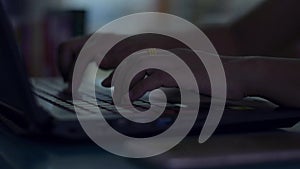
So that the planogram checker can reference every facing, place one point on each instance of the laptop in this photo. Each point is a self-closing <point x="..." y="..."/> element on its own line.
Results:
<point x="39" y="107"/>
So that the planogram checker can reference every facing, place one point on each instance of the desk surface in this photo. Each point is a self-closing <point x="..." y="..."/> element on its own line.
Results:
<point x="24" y="153"/>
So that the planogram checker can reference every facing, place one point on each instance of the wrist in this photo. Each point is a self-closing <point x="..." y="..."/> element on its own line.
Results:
<point x="252" y="75"/>
<point x="241" y="76"/>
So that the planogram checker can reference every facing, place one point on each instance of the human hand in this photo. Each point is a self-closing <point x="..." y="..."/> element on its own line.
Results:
<point x="69" y="51"/>
<point x="151" y="79"/>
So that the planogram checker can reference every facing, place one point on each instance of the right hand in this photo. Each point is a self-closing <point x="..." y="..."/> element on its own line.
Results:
<point x="69" y="51"/>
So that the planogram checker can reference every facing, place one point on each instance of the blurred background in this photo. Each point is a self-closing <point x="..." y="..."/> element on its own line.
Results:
<point x="236" y="27"/>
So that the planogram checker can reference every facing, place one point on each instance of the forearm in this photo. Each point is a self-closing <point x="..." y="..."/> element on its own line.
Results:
<point x="275" y="79"/>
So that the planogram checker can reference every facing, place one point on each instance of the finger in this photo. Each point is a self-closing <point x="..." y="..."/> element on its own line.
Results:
<point x="113" y="58"/>
<point x="109" y="62"/>
<point x="107" y="81"/>
<point x="125" y="75"/>
<point x="67" y="55"/>
<point x="65" y="60"/>
<point x="78" y="72"/>
<point x="81" y="64"/>
<point x="140" y="76"/>
<point x="115" y="55"/>
<point x="120" y="51"/>
<point x="142" y="87"/>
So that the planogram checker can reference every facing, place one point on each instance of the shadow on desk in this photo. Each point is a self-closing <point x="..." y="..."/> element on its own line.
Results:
<point x="24" y="153"/>
<point x="273" y="149"/>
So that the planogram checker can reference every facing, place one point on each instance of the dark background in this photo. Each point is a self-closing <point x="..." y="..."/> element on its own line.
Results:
<point x="236" y="27"/>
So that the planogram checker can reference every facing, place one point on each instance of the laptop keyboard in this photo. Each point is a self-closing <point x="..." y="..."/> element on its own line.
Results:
<point x="51" y="91"/>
